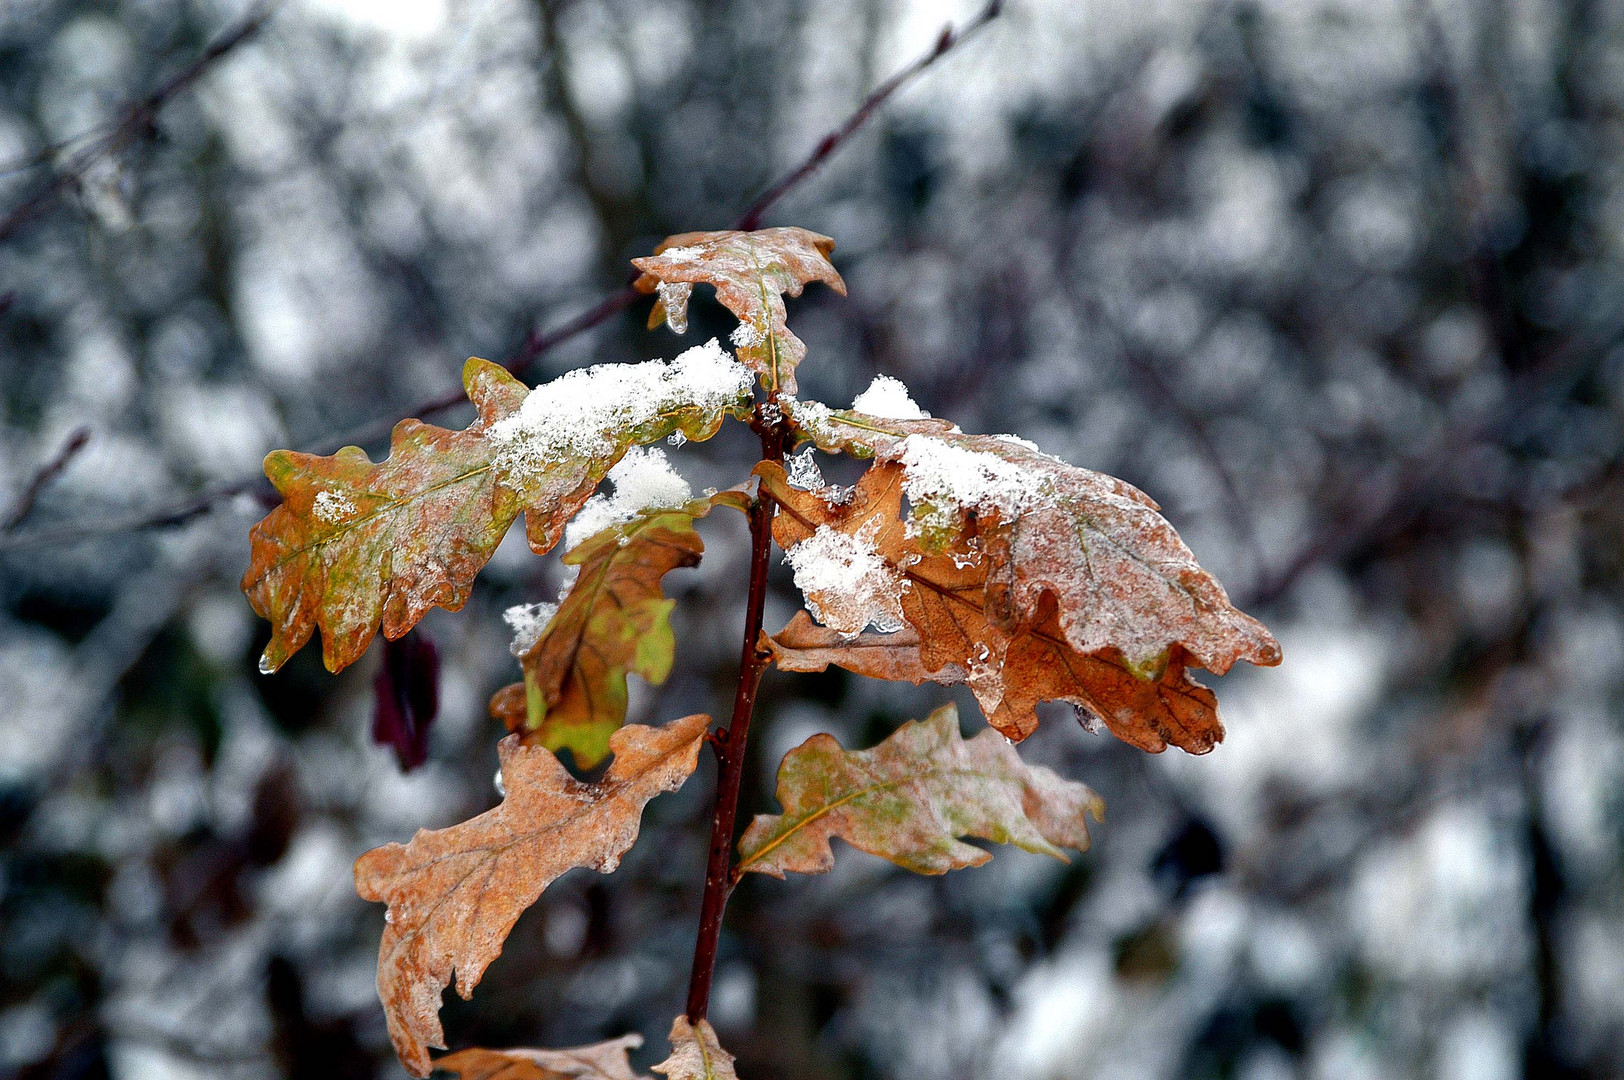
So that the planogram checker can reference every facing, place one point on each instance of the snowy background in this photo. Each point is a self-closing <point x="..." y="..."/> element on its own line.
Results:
<point x="1338" y="282"/>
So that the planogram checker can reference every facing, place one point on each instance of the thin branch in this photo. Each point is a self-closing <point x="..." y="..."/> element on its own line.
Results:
<point x="729" y="745"/>
<point x="135" y="123"/>
<point x="537" y="342"/>
<point x="47" y="472"/>
<point x="831" y="142"/>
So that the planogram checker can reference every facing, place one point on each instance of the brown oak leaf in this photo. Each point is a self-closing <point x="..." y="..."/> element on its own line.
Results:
<point x="804" y="645"/>
<point x="1012" y="647"/>
<point x="599" y="1061"/>
<point x="455" y="893"/>
<point x="696" y="1054"/>
<point x="1123" y="578"/>
<point x="614" y="619"/>
<point x="910" y="798"/>
<point x="357" y="545"/>
<point x="752" y="272"/>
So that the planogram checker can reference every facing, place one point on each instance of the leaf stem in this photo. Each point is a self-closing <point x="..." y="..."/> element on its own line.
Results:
<point x="729" y="745"/>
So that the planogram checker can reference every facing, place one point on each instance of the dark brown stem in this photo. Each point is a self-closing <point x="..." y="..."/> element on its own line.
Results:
<point x="730" y="745"/>
<point x="42" y="478"/>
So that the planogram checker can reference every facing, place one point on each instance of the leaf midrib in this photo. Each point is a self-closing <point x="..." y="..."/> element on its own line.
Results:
<point x="829" y="808"/>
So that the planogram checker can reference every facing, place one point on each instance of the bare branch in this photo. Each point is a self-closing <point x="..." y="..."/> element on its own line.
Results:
<point x="134" y="124"/>
<point x="831" y="142"/>
<point x="47" y="472"/>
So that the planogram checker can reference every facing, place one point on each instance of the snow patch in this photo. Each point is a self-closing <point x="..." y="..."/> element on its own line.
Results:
<point x="585" y="413"/>
<point x="643" y="480"/>
<point x="853" y="585"/>
<point x="888" y="398"/>
<point x="941" y="479"/>
<point x="332" y="506"/>
<point x="527" y="621"/>
<point x="683" y="254"/>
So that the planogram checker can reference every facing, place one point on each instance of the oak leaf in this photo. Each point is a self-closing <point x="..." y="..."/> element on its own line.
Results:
<point x="752" y="272"/>
<point x="357" y="545"/>
<point x="696" y="1054"/>
<point x="1123" y="577"/>
<point x="909" y="800"/>
<point x="613" y="620"/>
<point x="803" y="645"/>
<point x="1013" y="648"/>
<point x="455" y="893"/>
<point x="599" y="1061"/>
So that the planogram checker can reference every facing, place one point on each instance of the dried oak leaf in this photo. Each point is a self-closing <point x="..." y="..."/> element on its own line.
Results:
<point x="454" y="893"/>
<point x="804" y="645"/>
<point x="1123" y="578"/>
<point x="600" y="1061"/>
<point x="357" y="545"/>
<point x="752" y="272"/>
<point x="910" y="798"/>
<point x="613" y="620"/>
<point x="696" y="1054"/>
<point x="1012" y="647"/>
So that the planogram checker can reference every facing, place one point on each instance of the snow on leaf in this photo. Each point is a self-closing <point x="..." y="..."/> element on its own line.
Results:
<point x="1123" y="578"/>
<point x="356" y="546"/>
<point x="455" y="893"/>
<point x="643" y="480"/>
<point x="847" y="583"/>
<point x="1014" y="647"/>
<point x="696" y="1054"/>
<point x="909" y="800"/>
<point x="613" y="620"/>
<point x="599" y="1061"/>
<point x="752" y="272"/>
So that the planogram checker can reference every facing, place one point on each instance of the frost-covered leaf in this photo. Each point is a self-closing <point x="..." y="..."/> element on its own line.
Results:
<point x="696" y="1054"/>
<point x="752" y="272"/>
<point x="909" y="800"/>
<point x="1016" y="628"/>
<point x="454" y="893"/>
<point x="613" y="619"/>
<point x="1123" y="577"/>
<point x="600" y="1061"/>
<point x="357" y="545"/>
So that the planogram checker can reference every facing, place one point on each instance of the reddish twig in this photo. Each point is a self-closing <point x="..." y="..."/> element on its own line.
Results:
<point x="729" y="746"/>
<point x="47" y="472"/>
<point x="136" y="122"/>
